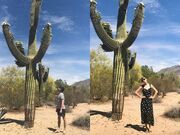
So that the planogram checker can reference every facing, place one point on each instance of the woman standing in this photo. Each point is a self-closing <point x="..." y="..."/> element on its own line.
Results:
<point x="145" y="93"/>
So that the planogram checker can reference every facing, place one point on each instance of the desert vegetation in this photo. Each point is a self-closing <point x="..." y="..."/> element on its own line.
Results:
<point x="82" y="122"/>
<point x="12" y="90"/>
<point x="101" y="78"/>
<point x="173" y="112"/>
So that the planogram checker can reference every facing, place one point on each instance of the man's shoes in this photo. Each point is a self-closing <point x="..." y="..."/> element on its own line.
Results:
<point x="57" y="130"/>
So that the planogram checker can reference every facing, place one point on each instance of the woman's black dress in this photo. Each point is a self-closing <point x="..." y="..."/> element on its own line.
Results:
<point x="147" y="108"/>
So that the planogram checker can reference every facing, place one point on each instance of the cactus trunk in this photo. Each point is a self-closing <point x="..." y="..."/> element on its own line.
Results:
<point x="118" y="85"/>
<point x="30" y="88"/>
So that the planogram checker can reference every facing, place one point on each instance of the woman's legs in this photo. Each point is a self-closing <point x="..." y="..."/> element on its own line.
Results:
<point x="149" y="127"/>
<point x="146" y="127"/>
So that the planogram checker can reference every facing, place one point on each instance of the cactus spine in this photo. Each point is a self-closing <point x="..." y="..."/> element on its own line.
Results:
<point x="123" y="61"/>
<point x="30" y="61"/>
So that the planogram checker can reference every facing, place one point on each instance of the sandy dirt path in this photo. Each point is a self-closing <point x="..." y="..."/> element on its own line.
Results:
<point x="45" y="122"/>
<point x="101" y="124"/>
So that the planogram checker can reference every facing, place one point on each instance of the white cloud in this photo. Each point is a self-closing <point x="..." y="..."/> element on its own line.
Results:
<point x="152" y="6"/>
<point x="94" y="41"/>
<point x="67" y="62"/>
<point x="156" y="62"/>
<point x="65" y="69"/>
<point x="70" y="78"/>
<point x="65" y="23"/>
<point x="156" y="46"/>
<point x="69" y="69"/>
<point x="150" y="3"/>
<point x="63" y="48"/>
<point x="165" y="28"/>
<point x="157" y="54"/>
<point x="4" y="15"/>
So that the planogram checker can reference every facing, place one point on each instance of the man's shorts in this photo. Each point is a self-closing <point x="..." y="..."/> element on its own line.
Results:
<point x="62" y="114"/>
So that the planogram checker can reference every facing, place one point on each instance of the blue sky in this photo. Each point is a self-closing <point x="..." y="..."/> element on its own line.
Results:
<point x="158" y="43"/>
<point x="68" y="54"/>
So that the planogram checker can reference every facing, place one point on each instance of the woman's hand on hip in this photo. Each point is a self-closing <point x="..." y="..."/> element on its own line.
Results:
<point x="143" y="97"/>
<point x="151" y="97"/>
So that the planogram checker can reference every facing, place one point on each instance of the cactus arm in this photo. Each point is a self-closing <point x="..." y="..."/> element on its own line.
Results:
<point x="46" y="74"/>
<point x="137" y="22"/>
<point x="35" y="8"/>
<point x="45" y="41"/>
<point x="105" y="48"/>
<point x="123" y="4"/>
<point x="132" y="61"/>
<point x="121" y="33"/>
<point x="12" y="47"/>
<point x="34" y="18"/>
<point x="98" y="26"/>
<point x="108" y="29"/>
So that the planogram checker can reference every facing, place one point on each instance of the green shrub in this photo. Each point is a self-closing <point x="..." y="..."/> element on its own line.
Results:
<point x="82" y="122"/>
<point x="174" y="112"/>
<point x="12" y="87"/>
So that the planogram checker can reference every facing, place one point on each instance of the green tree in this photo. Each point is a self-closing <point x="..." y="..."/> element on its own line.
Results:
<point x="147" y="71"/>
<point x="135" y="75"/>
<point x="50" y="89"/>
<point x="60" y="83"/>
<point x="100" y="74"/>
<point x="12" y="87"/>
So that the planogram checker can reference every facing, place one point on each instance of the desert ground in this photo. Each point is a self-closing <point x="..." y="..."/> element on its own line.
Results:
<point x="101" y="124"/>
<point x="45" y="122"/>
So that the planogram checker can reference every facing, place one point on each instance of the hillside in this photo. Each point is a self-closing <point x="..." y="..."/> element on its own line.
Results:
<point x="174" y="69"/>
<point x="84" y="83"/>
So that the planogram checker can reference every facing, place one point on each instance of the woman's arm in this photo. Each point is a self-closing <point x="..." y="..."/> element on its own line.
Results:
<point x="138" y="91"/>
<point x="156" y="91"/>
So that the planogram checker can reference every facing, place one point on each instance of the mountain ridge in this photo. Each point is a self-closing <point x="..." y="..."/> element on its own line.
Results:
<point x="83" y="83"/>
<point x="173" y="69"/>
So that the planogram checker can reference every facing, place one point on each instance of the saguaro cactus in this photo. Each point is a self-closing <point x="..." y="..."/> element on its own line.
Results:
<point x="42" y="76"/>
<point x="33" y="57"/>
<point x="119" y="44"/>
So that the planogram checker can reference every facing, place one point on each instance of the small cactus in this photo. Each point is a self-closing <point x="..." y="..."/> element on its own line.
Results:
<point x="123" y="61"/>
<point x="30" y="61"/>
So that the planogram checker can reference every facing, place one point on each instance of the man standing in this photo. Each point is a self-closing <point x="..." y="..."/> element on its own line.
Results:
<point x="60" y="108"/>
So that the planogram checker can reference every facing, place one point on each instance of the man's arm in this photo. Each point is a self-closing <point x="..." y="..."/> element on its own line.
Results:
<point x="61" y="101"/>
<point x="60" y="105"/>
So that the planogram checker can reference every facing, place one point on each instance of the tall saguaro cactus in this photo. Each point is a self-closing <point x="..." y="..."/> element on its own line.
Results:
<point x="123" y="61"/>
<point x="30" y="61"/>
